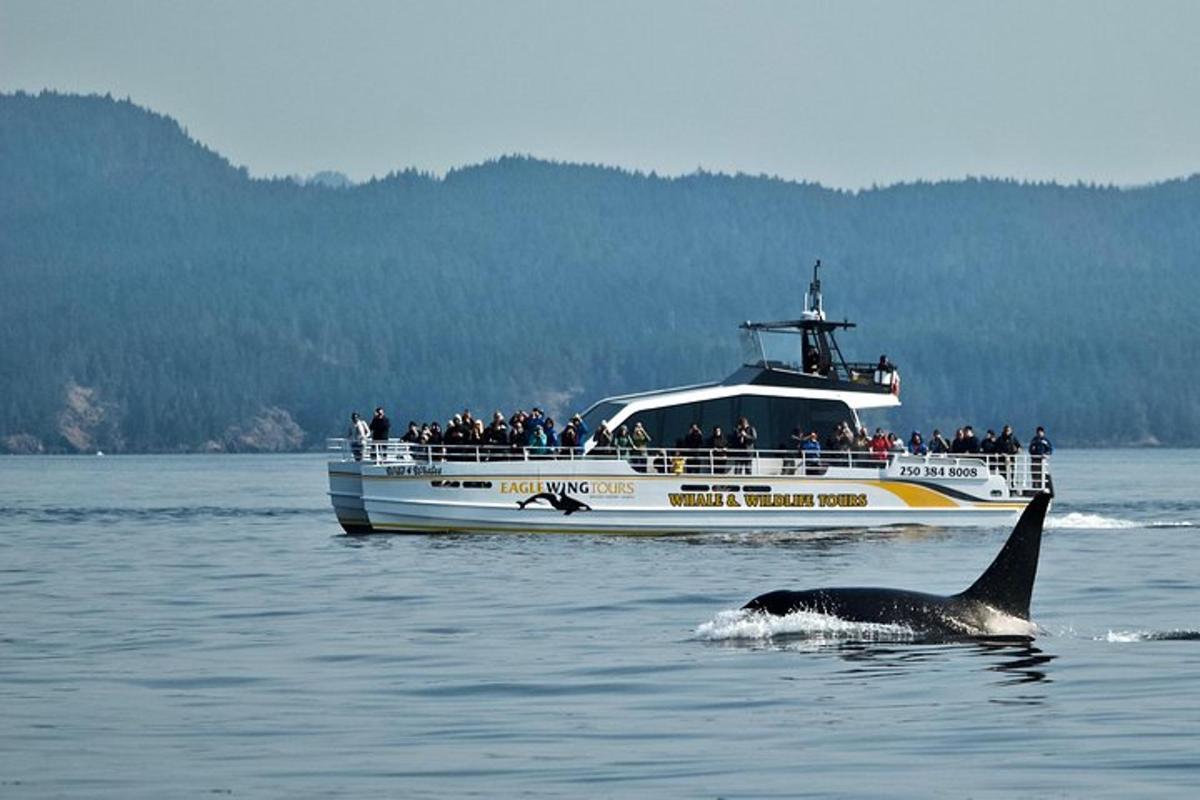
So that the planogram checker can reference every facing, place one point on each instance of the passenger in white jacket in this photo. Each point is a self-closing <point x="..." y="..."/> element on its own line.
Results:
<point x="357" y="434"/>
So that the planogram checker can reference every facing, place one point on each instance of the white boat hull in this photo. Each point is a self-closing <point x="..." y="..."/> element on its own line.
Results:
<point x="610" y="496"/>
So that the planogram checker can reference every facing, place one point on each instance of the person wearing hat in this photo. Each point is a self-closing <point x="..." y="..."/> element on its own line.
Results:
<point x="454" y="438"/>
<point x="581" y="428"/>
<point x="640" y="439"/>
<point x="537" y="441"/>
<point x="518" y="438"/>
<point x="569" y="439"/>
<point x="495" y="436"/>
<point x="475" y="435"/>
<point x="879" y="445"/>
<point x="603" y="446"/>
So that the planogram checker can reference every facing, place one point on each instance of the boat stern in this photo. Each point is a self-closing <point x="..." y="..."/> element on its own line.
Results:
<point x="346" y="494"/>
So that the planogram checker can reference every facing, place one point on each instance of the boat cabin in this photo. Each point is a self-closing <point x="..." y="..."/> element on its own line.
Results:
<point x="793" y="375"/>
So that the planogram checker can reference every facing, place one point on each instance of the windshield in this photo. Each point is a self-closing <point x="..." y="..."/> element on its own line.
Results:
<point x="779" y="349"/>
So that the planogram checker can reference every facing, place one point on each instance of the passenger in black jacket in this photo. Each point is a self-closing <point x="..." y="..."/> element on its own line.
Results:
<point x="694" y="440"/>
<point x="745" y="438"/>
<point x="1007" y="446"/>
<point x="970" y="442"/>
<point x="495" y="436"/>
<point x="381" y="426"/>
<point x="720" y="447"/>
<point x="569" y="439"/>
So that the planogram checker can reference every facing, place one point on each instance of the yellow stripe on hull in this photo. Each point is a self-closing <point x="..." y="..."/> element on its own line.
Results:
<point x="915" y="496"/>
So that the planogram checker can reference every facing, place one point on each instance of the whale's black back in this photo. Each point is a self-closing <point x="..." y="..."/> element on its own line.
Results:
<point x="1006" y="586"/>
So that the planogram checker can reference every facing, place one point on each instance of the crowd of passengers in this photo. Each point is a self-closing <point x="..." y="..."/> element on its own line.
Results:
<point x="843" y="442"/>
<point x="536" y="434"/>
<point x="533" y="432"/>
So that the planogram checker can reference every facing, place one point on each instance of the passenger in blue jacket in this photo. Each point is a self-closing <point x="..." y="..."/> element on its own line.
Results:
<point x="1039" y="445"/>
<point x="1039" y="448"/>
<point x="811" y="449"/>
<point x="581" y="429"/>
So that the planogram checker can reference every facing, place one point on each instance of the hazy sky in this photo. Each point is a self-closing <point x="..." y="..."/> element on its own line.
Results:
<point x="845" y="93"/>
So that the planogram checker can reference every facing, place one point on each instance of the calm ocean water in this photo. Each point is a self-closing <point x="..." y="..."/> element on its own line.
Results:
<point x="197" y="625"/>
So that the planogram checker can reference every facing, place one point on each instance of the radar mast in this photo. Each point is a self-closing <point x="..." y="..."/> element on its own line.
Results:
<point x="813" y="310"/>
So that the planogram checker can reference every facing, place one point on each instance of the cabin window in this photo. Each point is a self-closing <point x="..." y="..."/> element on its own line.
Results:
<point x="773" y="417"/>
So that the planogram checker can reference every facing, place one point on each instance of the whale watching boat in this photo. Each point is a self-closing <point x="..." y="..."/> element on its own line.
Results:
<point x="793" y="376"/>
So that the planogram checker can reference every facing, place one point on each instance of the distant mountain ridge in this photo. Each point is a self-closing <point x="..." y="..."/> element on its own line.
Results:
<point x="161" y="299"/>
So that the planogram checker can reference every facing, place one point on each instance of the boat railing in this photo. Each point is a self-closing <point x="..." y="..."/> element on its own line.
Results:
<point x="1023" y="473"/>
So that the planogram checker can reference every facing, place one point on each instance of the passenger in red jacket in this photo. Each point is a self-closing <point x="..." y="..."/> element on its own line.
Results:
<point x="879" y="445"/>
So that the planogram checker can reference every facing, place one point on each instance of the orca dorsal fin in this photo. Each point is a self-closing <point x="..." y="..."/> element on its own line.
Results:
<point x="1007" y="584"/>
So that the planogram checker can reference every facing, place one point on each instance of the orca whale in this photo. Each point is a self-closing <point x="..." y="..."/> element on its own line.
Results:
<point x="561" y="502"/>
<point x="997" y="604"/>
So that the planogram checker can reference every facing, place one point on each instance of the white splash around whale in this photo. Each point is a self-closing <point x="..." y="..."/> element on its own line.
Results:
<point x="740" y="624"/>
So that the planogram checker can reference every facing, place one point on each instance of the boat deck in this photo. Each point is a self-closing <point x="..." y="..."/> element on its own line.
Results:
<point x="1024" y="475"/>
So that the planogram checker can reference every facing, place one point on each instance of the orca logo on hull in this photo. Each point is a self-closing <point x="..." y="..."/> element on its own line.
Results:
<point x="561" y="502"/>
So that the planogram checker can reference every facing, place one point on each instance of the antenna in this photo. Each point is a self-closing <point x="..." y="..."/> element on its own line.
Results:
<point x="812" y="300"/>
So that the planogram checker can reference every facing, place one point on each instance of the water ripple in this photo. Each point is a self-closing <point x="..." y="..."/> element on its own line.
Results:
<point x="110" y="515"/>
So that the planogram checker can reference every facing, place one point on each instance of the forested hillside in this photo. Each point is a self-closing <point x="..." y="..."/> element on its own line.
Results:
<point x="158" y="298"/>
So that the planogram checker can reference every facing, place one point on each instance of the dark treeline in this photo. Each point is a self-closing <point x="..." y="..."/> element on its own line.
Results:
<point x="158" y="298"/>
